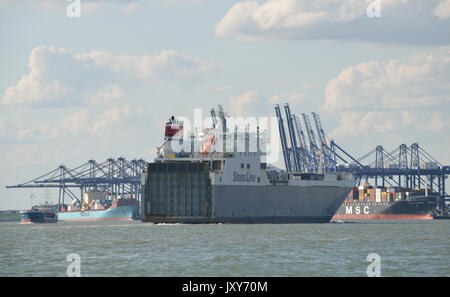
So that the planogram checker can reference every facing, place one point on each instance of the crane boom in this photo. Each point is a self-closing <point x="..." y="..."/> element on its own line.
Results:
<point x="284" y="146"/>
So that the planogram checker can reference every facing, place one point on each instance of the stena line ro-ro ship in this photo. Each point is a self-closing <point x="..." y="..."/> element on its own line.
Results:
<point x="233" y="186"/>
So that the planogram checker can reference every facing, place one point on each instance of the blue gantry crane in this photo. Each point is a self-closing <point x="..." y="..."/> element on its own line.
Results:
<point x="295" y="152"/>
<point x="284" y="145"/>
<point x="114" y="176"/>
<point x="406" y="166"/>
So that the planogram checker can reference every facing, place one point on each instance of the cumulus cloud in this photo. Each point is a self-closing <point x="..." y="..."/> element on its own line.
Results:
<point x="369" y="125"/>
<point x="242" y="105"/>
<point x="253" y="103"/>
<point x="402" y="102"/>
<point x="421" y="82"/>
<point x="294" y="98"/>
<point x="107" y="125"/>
<point x="437" y="122"/>
<point x="336" y="19"/>
<point x="98" y="124"/>
<point x="59" y="77"/>
<point x="443" y="9"/>
<point x="353" y="123"/>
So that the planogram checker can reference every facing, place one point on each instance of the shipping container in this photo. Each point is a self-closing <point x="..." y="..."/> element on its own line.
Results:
<point x="378" y="195"/>
<point x="361" y="192"/>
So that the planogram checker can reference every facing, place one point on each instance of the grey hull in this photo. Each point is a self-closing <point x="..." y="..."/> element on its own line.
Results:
<point x="238" y="220"/>
<point x="264" y="204"/>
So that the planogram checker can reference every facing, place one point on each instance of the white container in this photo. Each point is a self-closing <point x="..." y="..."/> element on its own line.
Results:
<point x="94" y="195"/>
<point x="378" y="195"/>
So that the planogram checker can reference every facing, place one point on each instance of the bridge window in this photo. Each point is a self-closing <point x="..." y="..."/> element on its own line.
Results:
<point x="217" y="165"/>
<point x="311" y="176"/>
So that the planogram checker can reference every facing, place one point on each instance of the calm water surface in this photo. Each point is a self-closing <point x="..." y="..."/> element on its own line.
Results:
<point x="406" y="248"/>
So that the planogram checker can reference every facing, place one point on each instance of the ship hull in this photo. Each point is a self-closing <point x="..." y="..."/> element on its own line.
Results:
<point x="36" y="217"/>
<point x="414" y="209"/>
<point x="121" y="213"/>
<point x="383" y="217"/>
<point x="238" y="220"/>
<point x="269" y="204"/>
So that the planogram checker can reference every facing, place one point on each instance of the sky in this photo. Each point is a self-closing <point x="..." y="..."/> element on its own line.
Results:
<point x="103" y="84"/>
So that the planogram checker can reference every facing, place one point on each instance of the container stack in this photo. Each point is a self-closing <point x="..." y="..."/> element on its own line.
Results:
<point x="369" y="194"/>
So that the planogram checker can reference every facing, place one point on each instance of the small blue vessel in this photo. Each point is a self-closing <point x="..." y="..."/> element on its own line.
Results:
<point x="40" y="214"/>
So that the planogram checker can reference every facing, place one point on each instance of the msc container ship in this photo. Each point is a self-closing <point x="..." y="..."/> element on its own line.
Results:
<point x="367" y="203"/>
<point x="233" y="187"/>
<point x="96" y="207"/>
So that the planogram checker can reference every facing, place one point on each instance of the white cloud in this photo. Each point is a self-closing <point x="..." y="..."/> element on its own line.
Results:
<point x="253" y="103"/>
<point x="104" y="125"/>
<point x="130" y="7"/>
<point x="335" y="19"/>
<point x="4" y="123"/>
<point x="392" y="103"/>
<point x="373" y="124"/>
<point x="60" y="77"/>
<point x="438" y="122"/>
<point x="249" y="16"/>
<point x="421" y="82"/>
<point x="443" y="9"/>
<point x="293" y="99"/>
<point x="28" y="154"/>
<point x="242" y="105"/>
<point x="87" y="125"/>
<point x="354" y="123"/>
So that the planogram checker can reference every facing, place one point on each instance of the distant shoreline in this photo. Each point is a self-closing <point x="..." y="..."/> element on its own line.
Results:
<point x="9" y="215"/>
